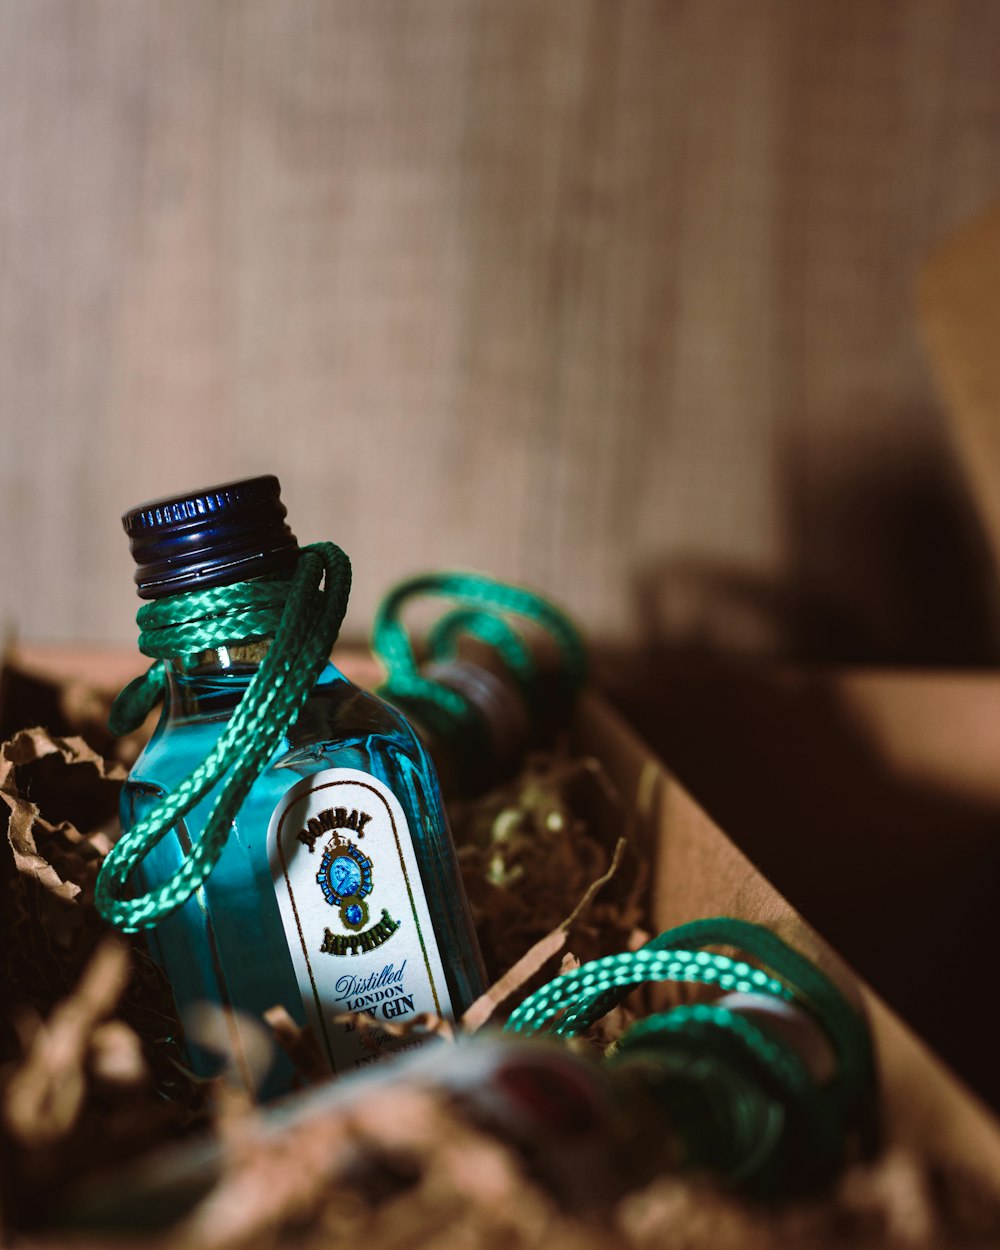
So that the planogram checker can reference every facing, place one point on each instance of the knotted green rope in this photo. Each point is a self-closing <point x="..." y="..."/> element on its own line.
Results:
<point x="304" y="616"/>
<point x="572" y="1002"/>
<point x="483" y="616"/>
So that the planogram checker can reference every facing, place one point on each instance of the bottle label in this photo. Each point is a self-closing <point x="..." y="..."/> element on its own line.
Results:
<point x="355" y="914"/>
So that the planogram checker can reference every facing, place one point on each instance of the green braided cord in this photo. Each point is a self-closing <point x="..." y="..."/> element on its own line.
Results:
<point x="186" y="624"/>
<point x="699" y="1021"/>
<point x="221" y="615"/>
<point x="581" y="997"/>
<point x="540" y="1011"/>
<point x="847" y="1031"/>
<point x="134" y="703"/>
<point x="442" y="641"/>
<point x="449" y="711"/>
<point x="305" y="621"/>
<point x="809" y="1144"/>
<point x="722" y="1038"/>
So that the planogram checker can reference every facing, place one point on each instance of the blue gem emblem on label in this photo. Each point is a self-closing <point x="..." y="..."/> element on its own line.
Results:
<point x="345" y="872"/>
<point x="345" y="875"/>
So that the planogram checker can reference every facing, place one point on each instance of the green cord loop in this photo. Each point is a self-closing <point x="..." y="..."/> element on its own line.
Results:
<point x="442" y="641"/>
<point x="304" y="615"/>
<point x="445" y="710"/>
<point x="134" y="703"/>
<point x="575" y="1000"/>
<point x="699" y="1021"/>
<point x="555" y="1008"/>
<point x="806" y="983"/>
<point x="775" y="1127"/>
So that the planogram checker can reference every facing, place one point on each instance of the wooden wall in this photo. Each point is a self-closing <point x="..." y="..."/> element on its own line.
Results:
<point x="609" y="296"/>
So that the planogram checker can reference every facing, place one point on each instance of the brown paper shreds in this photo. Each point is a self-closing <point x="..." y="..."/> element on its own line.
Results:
<point x="548" y="864"/>
<point x="45" y="1094"/>
<point x="514" y="979"/>
<point x="514" y="983"/>
<point x="399" y="1169"/>
<point x="88" y="1031"/>
<point x="67" y="702"/>
<point x="895" y="1201"/>
<point x="299" y="1044"/>
<point x="533" y="861"/>
<point x="47" y="865"/>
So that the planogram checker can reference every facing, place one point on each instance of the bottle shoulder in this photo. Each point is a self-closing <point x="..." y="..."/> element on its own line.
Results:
<point x="337" y="709"/>
<point x="337" y="716"/>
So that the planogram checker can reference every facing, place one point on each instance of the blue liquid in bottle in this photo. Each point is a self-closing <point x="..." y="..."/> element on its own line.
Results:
<point x="349" y="800"/>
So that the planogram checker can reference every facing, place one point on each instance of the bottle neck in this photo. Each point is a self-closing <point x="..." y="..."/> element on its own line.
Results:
<point x="212" y="680"/>
<point x="231" y="659"/>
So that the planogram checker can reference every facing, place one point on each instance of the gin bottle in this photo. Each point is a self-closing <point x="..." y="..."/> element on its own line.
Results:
<point x="337" y="888"/>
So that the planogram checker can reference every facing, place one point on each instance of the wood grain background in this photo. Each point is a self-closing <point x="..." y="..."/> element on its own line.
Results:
<point x="613" y="297"/>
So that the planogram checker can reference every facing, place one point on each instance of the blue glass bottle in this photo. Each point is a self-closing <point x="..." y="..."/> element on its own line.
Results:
<point x="338" y="889"/>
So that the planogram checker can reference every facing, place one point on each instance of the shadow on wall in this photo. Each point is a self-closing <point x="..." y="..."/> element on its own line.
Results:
<point x="887" y="561"/>
<point x="889" y="533"/>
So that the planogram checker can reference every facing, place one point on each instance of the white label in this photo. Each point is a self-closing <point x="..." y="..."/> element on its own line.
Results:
<point x="355" y="915"/>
